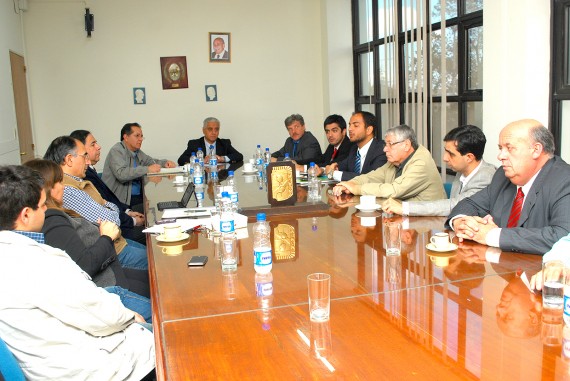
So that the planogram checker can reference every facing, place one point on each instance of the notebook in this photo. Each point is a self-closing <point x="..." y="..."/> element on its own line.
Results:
<point x="178" y="204"/>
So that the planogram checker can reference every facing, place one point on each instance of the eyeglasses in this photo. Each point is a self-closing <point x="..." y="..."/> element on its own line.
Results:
<point x="392" y="144"/>
<point x="85" y="155"/>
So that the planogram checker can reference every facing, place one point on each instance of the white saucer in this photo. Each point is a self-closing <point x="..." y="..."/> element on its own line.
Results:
<point x="451" y="247"/>
<point x="181" y="237"/>
<point x="367" y="208"/>
<point x="175" y="183"/>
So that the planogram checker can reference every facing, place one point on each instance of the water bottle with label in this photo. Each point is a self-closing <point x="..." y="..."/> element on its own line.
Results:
<point x="266" y="158"/>
<point x="198" y="175"/>
<point x="314" y="183"/>
<point x="199" y="190"/>
<point x="262" y="260"/>
<point x="258" y="155"/>
<point x="264" y="292"/>
<point x="232" y="190"/>
<point x="213" y="164"/>
<point x="227" y="216"/>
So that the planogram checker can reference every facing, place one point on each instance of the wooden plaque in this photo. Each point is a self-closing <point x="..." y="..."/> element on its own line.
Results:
<point x="285" y="240"/>
<point x="281" y="183"/>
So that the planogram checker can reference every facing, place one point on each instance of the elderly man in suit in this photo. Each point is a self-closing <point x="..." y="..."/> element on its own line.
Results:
<point x="301" y="145"/>
<point x="211" y="145"/>
<point x="410" y="173"/>
<point x="526" y="208"/>
<point x="463" y="153"/>
<point x="366" y="154"/>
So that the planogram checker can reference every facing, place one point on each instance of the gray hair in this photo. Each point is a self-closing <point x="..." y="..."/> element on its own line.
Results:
<point x="542" y="135"/>
<point x="294" y="118"/>
<point x="210" y="119"/>
<point x="403" y="132"/>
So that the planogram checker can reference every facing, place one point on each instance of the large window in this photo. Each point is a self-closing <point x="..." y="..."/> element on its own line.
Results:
<point x="420" y="62"/>
<point x="560" y="100"/>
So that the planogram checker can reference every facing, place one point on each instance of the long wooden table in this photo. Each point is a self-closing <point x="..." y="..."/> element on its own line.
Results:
<point x="418" y="316"/>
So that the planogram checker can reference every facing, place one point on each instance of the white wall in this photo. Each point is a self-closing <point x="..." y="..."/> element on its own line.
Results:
<point x="516" y="76"/>
<point x="10" y="40"/>
<point x="276" y="69"/>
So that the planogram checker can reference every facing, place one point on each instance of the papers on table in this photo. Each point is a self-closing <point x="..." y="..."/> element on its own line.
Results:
<point x="187" y="212"/>
<point x="185" y="225"/>
<point x="240" y="222"/>
<point x="167" y="171"/>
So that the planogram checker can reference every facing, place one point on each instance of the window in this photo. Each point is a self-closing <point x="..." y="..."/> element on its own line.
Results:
<point x="413" y="67"/>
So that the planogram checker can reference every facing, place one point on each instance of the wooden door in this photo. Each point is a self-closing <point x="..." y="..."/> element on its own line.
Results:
<point x="23" y="120"/>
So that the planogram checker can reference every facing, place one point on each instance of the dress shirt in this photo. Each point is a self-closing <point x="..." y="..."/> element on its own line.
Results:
<point x="210" y="152"/>
<point x="80" y="202"/>
<point x="36" y="236"/>
<point x="337" y="175"/>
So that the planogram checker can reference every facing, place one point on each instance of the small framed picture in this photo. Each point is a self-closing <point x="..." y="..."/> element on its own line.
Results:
<point x="211" y="93"/>
<point x="139" y="95"/>
<point x="174" y="72"/>
<point x="220" y="47"/>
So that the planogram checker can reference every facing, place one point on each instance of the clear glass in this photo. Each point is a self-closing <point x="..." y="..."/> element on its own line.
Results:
<point x="473" y="5"/>
<point x="452" y="121"/>
<point x="366" y="74"/>
<point x="319" y="285"/>
<point x="436" y="6"/>
<point x="475" y="58"/>
<point x="386" y="18"/>
<point x="365" y="20"/>
<point x="451" y="82"/>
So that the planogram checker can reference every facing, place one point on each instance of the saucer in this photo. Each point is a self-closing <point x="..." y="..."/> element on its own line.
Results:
<point x="176" y="183"/>
<point x="366" y="208"/>
<point x="249" y="172"/>
<point x="181" y="237"/>
<point x="451" y="247"/>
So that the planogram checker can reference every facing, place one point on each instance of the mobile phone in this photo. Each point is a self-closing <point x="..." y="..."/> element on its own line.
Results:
<point x="198" y="260"/>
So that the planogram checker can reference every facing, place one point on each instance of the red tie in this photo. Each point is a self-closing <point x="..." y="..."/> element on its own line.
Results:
<point x="334" y="154"/>
<point x="516" y="209"/>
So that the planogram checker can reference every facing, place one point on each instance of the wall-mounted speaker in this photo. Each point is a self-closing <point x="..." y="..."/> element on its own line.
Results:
<point x="89" y="22"/>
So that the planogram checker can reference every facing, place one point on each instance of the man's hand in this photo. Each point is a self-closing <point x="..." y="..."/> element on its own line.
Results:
<point x="474" y="228"/>
<point x="345" y="187"/>
<point x="320" y="170"/>
<point x="153" y="168"/>
<point x="139" y="217"/>
<point x="392" y="206"/>
<point x="109" y="229"/>
<point x="138" y="317"/>
<point x="536" y="281"/>
<point x="170" y="164"/>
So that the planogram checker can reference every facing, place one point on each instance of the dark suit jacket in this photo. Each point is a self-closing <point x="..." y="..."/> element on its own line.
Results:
<point x="545" y="217"/>
<point x="375" y="158"/>
<point x="108" y="195"/>
<point x="341" y="154"/>
<point x="225" y="56"/>
<point x="308" y="149"/>
<point x="223" y="148"/>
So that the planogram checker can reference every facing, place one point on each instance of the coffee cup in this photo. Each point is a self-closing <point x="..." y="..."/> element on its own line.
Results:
<point x="439" y="261"/>
<point x="440" y="240"/>
<point x="252" y="161"/>
<point x="172" y="250"/>
<point x="179" y="179"/>
<point x="368" y="201"/>
<point x="368" y="221"/>
<point x="248" y="167"/>
<point x="172" y="231"/>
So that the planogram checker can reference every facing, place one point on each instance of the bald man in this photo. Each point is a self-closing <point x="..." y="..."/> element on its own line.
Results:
<point x="526" y="208"/>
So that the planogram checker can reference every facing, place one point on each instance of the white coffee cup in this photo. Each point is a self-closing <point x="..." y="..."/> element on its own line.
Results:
<point x="172" y="250"/>
<point x="248" y="167"/>
<point x="172" y="231"/>
<point x="440" y="240"/>
<point x="179" y="179"/>
<point x="368" y="221"/>
<point x="252" y="161"/>
<point x="369" y="201"/>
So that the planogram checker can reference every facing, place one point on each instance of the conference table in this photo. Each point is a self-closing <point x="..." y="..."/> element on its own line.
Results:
<point x="464" y="314"/>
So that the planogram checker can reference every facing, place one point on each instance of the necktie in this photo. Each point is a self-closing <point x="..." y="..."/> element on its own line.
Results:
<point x="516" y="209"/>
<point x="217" y="56"/>
<point x="211" y="150"/>
<point x="294" y="148"/>
<point x="334" y="154"/>
<point x="357" y="163"/>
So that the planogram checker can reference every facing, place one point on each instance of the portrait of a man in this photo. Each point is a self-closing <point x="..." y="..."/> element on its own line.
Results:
<point x="220" y="47"/>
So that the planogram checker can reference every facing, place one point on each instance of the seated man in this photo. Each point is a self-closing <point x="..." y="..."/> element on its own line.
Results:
<point x="132" y="223"/>
<point x="301" y="145"/>
<point x="81" y="198"/>
<point x="56" y="322"/>
<point x="212" y="145"/>
<point x="126" y="164"/>
<point x="464" y="147"/>
<point x="339" y="145"/>
<point x="367" y="152"/>
<point x="410" y="173"/>
<point x="526" y="207"/>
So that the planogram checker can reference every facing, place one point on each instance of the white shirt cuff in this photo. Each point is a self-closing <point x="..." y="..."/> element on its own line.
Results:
<point x="337" y="175"/>
<point x="406" y="208"/>
<point x="493" y="237"/>
<point x="492" y="255"/>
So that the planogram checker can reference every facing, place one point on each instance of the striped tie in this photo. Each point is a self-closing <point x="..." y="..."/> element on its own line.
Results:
<point x="357" y="163"/>
<point x="516" y="209"/>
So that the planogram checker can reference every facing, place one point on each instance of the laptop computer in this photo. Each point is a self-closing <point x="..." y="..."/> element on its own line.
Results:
<point x="178" y="204"/>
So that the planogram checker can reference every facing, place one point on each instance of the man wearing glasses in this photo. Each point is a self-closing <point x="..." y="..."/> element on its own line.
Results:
<point x="409" y="174"/>
<point x="126" y="164"/>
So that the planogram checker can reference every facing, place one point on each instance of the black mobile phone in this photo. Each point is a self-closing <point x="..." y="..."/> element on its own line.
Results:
<point x="198" y="260"/>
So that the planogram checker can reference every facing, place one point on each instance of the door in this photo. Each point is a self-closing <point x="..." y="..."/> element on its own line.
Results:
<point x="23" y="120"/>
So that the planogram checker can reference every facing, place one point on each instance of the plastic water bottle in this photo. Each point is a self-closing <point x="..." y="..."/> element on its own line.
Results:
<point x="198" y="175"/>
<point x="314" y="183"/>
<point x="213" y="164"/>
<point x="258" y="155"/>
<point x="199" y="190"/>
<point x="264" y="292"/>
<point x="232" y="191"/>
<point x="200" y="156"/>
<point x="262" y="261"/>
<point x="227" y="216"/>
<point x="193" y="158"/>
<point x="287" y="157"/>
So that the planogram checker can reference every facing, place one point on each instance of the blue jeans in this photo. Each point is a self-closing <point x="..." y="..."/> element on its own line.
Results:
<point x="134" y="256"/>
<point x="133" y="302"/>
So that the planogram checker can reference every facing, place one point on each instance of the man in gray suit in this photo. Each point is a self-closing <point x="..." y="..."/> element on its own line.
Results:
<point x="526" y="208"/>
<point x="464" y="147"/>
<point x="301" y="145"/>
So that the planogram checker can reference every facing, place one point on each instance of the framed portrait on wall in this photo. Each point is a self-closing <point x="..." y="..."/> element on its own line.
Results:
<point x="220" y="47"/>
<point x="174" y="72"/>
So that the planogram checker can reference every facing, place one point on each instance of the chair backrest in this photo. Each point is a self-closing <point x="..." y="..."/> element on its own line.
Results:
<point x="447" y="187"/>
<point x="9" y="367"/>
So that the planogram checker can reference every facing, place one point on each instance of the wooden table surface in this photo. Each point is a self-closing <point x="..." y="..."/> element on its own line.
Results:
<point x="419" y="316"/>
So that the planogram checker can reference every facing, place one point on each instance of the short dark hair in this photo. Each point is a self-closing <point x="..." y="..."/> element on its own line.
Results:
<point x="128" y="129"/>
<point x="80" y="135"/>
<point x="469" y="139"/>
<point x="51" y="173"/>
<point x="369" y="119"/>
<point x="334" y="118"/>
<point x="20" y="187"/>
<point x="60" y="147"/>
<point x="294" y="118"/>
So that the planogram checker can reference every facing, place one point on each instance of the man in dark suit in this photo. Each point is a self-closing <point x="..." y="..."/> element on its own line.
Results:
<point x="367" y="152"/>
<point x="132" y="223"/>
<point x="526" y="208"/>
<point x="211" y="144"/>
<point x="301" y="145"/>
<point x="339" y="144"/>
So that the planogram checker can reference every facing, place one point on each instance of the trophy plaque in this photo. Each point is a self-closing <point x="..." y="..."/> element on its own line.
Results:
<point x="281" y="183"/>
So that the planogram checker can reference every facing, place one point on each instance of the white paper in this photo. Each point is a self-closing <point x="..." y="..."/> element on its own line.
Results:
<point x="187" y="212"/>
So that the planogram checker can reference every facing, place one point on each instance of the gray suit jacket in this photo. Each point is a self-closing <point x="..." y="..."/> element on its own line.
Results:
<point x="443" y="207"/>
<point x="308" y="149"/>
<point x="545" y="217"/>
